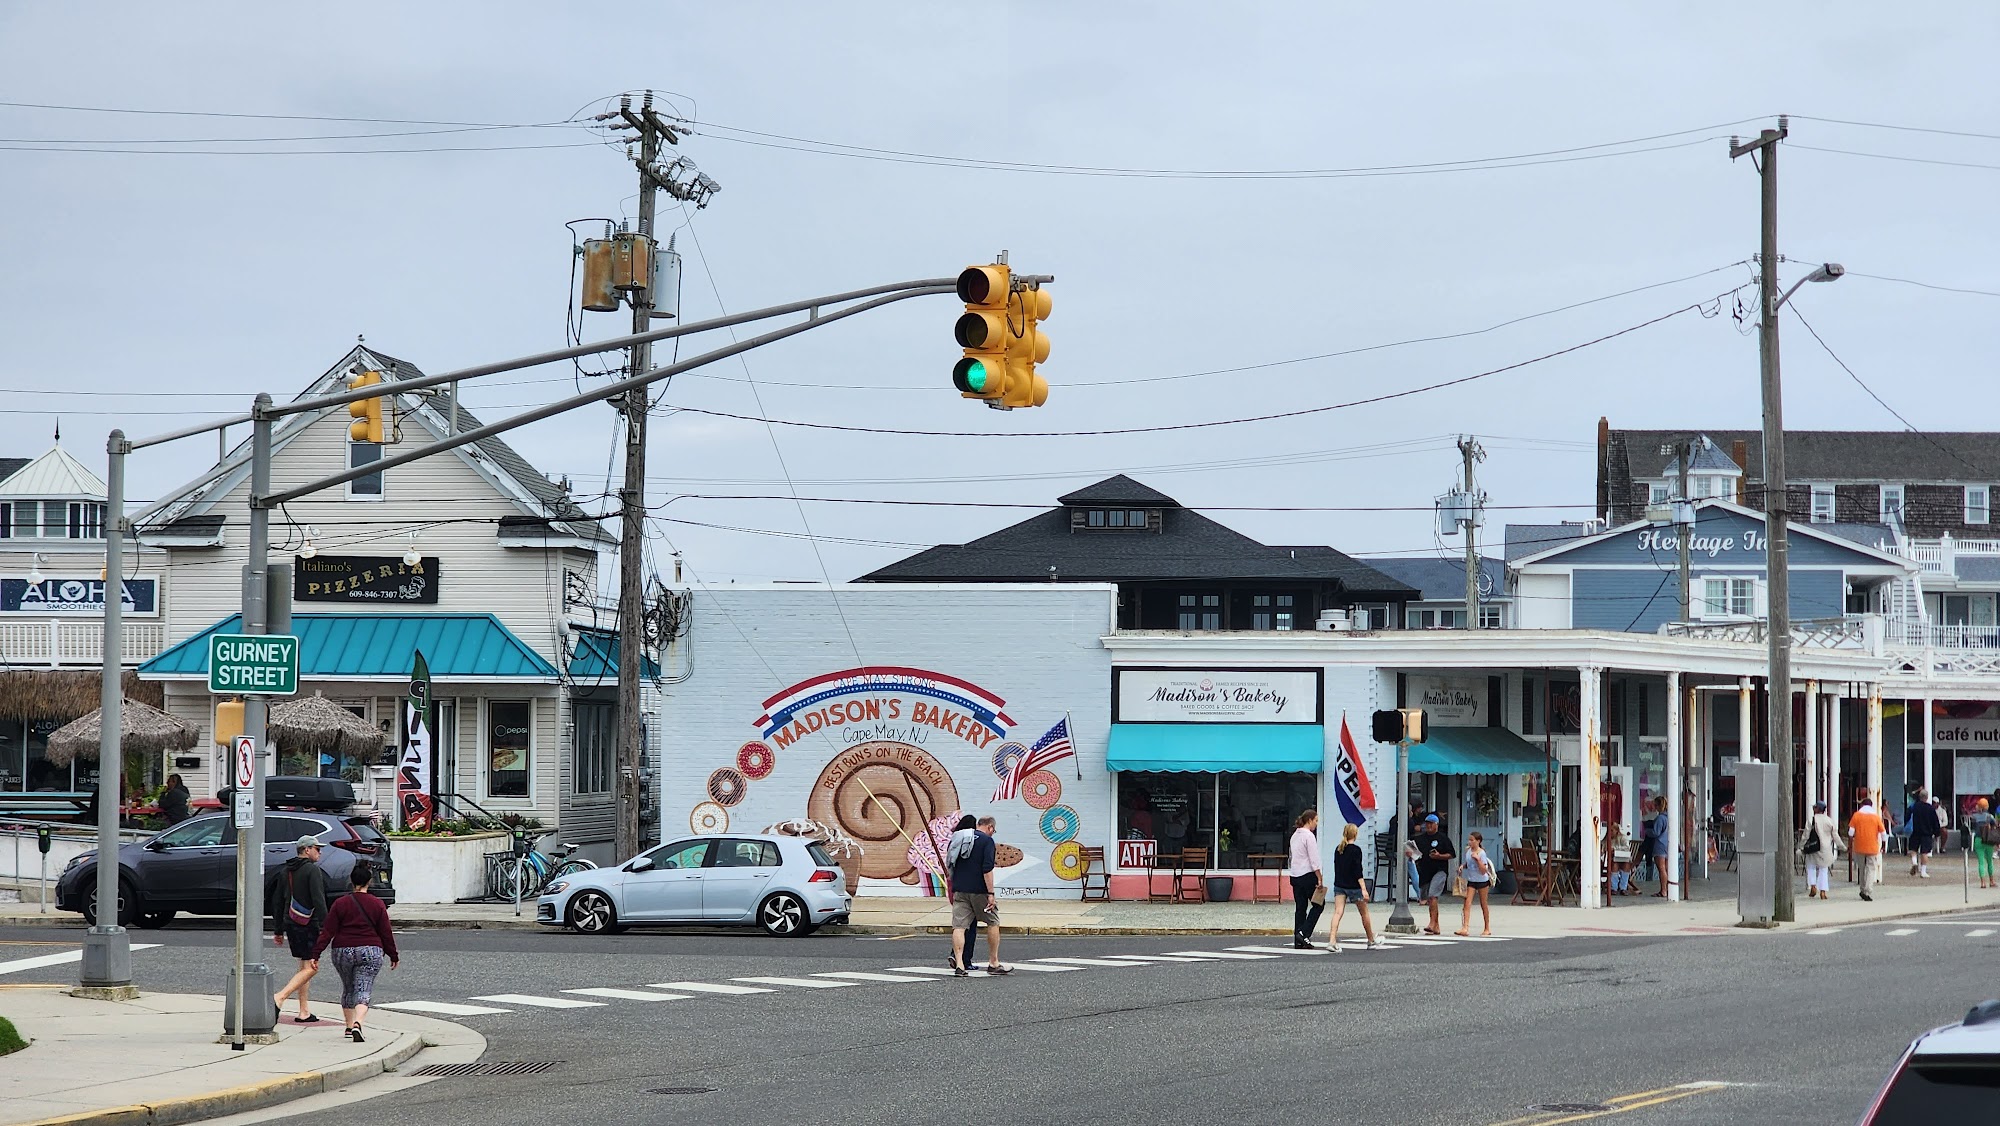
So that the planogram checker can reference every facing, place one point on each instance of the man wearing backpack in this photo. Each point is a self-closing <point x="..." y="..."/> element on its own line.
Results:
<point x="300" y="910"/>
<point x="1819" y="845"/>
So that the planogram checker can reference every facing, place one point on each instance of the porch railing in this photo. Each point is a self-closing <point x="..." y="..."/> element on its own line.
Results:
<point x="55" y="643"/>
<point x="1854" y="631"/>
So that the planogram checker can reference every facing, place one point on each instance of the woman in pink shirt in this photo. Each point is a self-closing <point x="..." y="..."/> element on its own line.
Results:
<point x="1304" y="869"/>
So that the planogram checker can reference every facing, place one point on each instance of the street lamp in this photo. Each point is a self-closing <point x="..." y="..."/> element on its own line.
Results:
<point x="1829" y="271"/>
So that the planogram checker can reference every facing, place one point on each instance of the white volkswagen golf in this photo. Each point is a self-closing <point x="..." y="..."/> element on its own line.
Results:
<point x="786" y="885"/>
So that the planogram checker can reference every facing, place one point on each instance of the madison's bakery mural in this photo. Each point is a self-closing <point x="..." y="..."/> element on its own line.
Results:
<point x="882" y="760"/>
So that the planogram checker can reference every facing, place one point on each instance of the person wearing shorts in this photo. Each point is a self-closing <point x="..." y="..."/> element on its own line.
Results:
<point x="1349" y="886"/>
<point x="300" y="909"/>
<point x="1477" y="871"/>
<point x="1434" y="854"/>
<point x="974" y="902"/>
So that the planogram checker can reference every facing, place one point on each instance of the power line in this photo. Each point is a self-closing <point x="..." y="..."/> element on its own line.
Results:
<point x="1899" y="128"/>
<point x="1880" y="401"/>
<point x="1212" y="423"/>
<point x="1046" y="506"/>
<point x="1926" y="285"/>
<point x="299" y="152"/>
<point x="1889" y="156"/>
<point x="251" y="116"/>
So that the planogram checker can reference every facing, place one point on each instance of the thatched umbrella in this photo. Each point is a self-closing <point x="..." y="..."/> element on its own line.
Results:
<point x="144" y="730"/>
<point x="316" y="725"/>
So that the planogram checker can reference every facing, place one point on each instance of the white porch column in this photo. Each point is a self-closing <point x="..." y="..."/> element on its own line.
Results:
<point x="1875" y="744"/>
<point x="1929" y="710"/>
<point x="1743" y="719"/>
<point x="1833" y="745"/>
<point x="1812" y="745"/>
<point x="1590" y="790"/>
<point x="1674" y="784"/>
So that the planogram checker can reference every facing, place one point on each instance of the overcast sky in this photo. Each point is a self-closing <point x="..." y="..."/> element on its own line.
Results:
<point x="140" y="276"/>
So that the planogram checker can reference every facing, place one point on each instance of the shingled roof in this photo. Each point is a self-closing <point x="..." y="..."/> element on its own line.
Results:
<point x="1047" y="547"/>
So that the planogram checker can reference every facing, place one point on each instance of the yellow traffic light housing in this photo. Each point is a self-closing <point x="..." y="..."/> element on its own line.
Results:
<point x="367" y="424"/>
<point x="1026" y="347"/>
<point x="228" y="721"/>
<point x="983" y="331"/>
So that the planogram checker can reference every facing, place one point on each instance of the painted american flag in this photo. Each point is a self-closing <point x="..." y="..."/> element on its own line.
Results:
<point x="1048" y="750"/>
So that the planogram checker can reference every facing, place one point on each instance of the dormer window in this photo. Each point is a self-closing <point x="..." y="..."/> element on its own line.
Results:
<point x="1125" y="519"/>
<point x="51" y="520"/>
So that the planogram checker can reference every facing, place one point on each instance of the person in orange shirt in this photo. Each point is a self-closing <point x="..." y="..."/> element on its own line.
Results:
<point x="1867" y="829"/>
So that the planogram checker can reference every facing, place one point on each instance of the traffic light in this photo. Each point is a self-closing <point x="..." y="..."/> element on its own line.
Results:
<point x="1400" y="725"/>
<point x="1026" y="347"/>
<point x="367" y="424"/>
<point x="982" y="330"/>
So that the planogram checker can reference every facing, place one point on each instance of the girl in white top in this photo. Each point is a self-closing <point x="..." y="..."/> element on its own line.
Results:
<point x="1478" y="873"/>
<point x="1304" y="871"/>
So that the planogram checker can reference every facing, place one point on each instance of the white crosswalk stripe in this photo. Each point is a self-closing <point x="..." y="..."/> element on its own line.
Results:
<point x="1223" y="955"/>
<point x="1982" y="932"/>
<point x="533" y="1001"/>
<point x="710" y="987"/>
<point x="1901" y="931"/>
<point x="1088" y="962"/>
<point x="1277" y="950"/>
<point x="628" y="994"/>
<point x="441" y="1008"/>
<point x="41" y="961"/>
<point x="1155" y="958"/>
<point x="862" y="975"/>
<point x="798" y="982"/>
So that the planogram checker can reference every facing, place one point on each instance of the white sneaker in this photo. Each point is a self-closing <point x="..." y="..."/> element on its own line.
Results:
<point x="1334" y="946"/>
<point x="1377" y="944"/>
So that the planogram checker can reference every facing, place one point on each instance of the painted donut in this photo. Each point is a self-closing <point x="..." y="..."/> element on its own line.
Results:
<point x="1003" y="759"/>
<point x="726" y="786"/>
<point x="1059" y="824"/>
<point x="755" y="760"/>
<point x="709" y="817"/>
<point x="1067" y="861"/>
<point x="1041" y="790"/>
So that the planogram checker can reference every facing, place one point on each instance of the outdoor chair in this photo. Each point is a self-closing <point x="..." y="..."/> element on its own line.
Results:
<point x="1096" y="879"/>
<point x="1192" y="866"/>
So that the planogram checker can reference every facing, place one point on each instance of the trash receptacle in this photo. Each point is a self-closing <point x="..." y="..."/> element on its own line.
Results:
<point x="1220" y="887"/>
<point x="1504" y="882"/>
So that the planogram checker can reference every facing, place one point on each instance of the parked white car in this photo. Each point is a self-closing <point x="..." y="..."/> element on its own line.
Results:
<point x="785" y="885"/>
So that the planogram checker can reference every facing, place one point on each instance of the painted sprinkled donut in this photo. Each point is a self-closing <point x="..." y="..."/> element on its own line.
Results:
<point x="1059" y="824"/>
<point x="1067" y="861"/>
<point x="726" y="786"/>
<point x="1041" y="789"/>
<point x="1003" y="759"/>
<point x="756" y="760"/>
<point x="709" y="817"/>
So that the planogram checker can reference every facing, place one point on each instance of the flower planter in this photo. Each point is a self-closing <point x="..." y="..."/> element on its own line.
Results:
<point x="443" y="869"/>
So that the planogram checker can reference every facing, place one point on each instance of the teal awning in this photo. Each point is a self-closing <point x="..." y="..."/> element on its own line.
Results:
<point x="1218" y="747"/>
<point x="1476" y="750"/>
<point x="596" y="657"/>
<point x="359" y="646"/>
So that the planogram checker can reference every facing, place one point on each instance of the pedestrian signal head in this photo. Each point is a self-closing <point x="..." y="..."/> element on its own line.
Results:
<point x="367" y="424"/>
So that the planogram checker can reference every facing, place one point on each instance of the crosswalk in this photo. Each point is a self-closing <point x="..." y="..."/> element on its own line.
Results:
<point x="44" y="961"/>
<point x="1919" y="930"/>
<point x="746" y="987"/>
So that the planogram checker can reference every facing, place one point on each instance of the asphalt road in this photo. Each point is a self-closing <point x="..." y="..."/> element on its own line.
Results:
<point x="1749" y="1028"/>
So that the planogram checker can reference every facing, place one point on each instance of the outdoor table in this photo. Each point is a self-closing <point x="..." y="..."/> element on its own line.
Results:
<point x="1274" y="863"/>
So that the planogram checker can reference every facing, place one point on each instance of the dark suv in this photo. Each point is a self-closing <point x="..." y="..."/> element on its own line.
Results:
<point x="192" y="867"/>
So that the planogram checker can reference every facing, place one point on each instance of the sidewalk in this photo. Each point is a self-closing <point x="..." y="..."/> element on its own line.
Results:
<point x="1711" y="909"/>
<point x="158" y="1060"/>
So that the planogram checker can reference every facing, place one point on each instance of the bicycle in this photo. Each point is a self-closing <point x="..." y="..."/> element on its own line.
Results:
<point x="523" y="875"/>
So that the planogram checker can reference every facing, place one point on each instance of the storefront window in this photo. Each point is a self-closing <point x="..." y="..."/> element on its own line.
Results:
<point x="1231" y="815"/>
<point x="507" y="751"/>
<point x="43" y="774"/>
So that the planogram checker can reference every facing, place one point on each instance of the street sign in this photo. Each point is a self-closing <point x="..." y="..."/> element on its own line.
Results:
<point x="242" y="664"/>
<point x="243" y="771"/>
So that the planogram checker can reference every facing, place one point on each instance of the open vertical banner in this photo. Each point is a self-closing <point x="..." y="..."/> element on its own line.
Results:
<point x="416" y="788"/>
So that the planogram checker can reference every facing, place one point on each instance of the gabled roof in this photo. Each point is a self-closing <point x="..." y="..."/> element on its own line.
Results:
<point x="1810" y="531"/>
<point x="510" y="473"/>
<point x="54" y="474"/>
<point x="1444" y="579"/>
<point x="1838" y="455"/>
<point x="355" y="646"/>
<point x="1187" y="545"/>
<point x="1530" y="539"/>
<point x="595" y="657"/>
<point x="1708" y="458"/>
<point x="11" y="465"/>
<point x="1119" y="490"/>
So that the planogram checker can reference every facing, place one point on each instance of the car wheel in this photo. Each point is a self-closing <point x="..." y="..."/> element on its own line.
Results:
<point x="784" y="916"/>
<point x="154" y="920"/>
<point x="591" y="912"/>
<point x="128" y="905"/>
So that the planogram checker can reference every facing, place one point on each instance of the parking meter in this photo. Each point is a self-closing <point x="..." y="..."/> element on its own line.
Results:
<point x="42" y="839"/>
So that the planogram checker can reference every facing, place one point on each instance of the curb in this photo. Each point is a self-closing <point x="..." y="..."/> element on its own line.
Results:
<point x="250" y="1096"/>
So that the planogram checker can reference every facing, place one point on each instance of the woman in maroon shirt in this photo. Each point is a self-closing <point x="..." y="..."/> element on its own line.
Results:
<point x="357" y="927"/>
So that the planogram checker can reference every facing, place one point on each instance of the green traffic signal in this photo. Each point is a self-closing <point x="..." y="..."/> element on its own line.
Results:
<point x="975" y="376"/>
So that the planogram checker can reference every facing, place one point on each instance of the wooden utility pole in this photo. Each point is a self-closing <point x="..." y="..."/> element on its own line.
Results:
<point x="1468" y="447"/>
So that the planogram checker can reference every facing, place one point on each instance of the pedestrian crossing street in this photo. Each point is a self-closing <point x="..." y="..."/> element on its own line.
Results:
<point x="743" y="988"/>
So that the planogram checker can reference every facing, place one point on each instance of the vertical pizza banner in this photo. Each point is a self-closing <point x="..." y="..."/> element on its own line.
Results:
<point x="881" y="760"/>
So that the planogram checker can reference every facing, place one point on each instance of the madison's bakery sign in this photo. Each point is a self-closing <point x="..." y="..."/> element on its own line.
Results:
<point x="365" y="578"/>
<point x="1175" y="695"/>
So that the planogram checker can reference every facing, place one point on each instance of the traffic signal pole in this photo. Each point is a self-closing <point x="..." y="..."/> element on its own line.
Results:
<point x="1400" y="919"/>
<point x="106" y="970"/>
<point x="250" y="978"/>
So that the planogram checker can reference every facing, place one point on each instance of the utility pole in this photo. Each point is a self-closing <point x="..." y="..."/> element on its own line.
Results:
<point x="632" y="498"/>
<point x="1682" y="504"/>
<point x="1778" y="713"/>
<point x="1468" y="447"/>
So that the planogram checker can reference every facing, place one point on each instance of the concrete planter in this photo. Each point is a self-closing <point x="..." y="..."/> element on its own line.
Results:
<point x="443" y="869"/>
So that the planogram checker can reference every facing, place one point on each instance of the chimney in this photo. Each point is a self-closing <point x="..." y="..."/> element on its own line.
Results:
<point x="1739" y="452"/>
<point x="1603" y="466"/>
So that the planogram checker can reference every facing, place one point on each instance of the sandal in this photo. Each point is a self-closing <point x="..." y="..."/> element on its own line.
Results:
<point x="998" y="971"/>
<point x="1463" y="934"/>
<point x="305" y="1020"/>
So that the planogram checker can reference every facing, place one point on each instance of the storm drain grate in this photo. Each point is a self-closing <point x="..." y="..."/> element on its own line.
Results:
<point x="529" y="1067"/>
<point x="1569" y="1108"/>
<point x="679" y="1090"/>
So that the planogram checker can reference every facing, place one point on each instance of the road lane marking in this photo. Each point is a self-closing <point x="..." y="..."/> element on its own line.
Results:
<point x="540" y="1002"/>
<point x="1087" y="962"/>
<point x="863" y="975"/>
<point x="1901" y="931"/>
<point x="709" y="987"/>
<point x="1156" y="958"/>
<point x="1222" y="955"/>
<point x="628" y="994"/>
<point x="441" y="1008"/>
<point x="1279" y="950"/>
<point x="1622" y="1104"/>
<point x="1825" y="930"/>
<point x="41" y="961"/>
<point x="797" y="982"/>
<point x="946" y="971"/>
<point x="1980" y="933"/>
